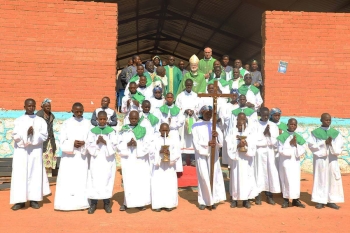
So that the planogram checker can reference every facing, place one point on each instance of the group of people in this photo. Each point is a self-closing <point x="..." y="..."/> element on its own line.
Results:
<point x="167" y="126"/>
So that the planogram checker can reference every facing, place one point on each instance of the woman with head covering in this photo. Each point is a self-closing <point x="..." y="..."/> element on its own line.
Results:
<point x="275" y="115"/>
<point x="49" y="147"/>
<point x="157" y="100"/>
<point x="156" y="61"/>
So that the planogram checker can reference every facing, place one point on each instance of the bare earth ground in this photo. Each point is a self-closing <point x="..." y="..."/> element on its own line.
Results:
<point x="186" y="218"/>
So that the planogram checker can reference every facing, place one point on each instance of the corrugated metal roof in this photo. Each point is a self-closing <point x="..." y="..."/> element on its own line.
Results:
<point x="182" y="28"/>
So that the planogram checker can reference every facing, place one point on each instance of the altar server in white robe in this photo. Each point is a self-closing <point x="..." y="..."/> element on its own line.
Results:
<point x="326" y="145"/>
<point x="29" y="180"/>
<point x="134" y="145"/>
<point x="290" y="147"/>
<point x="132" y="101"/>
<point x="72" y="179"/>
<point x="164" y="179"/>
<point x="102" y="148"/>
<point x="157" y="100"/>
<point x="202" y="140"/>
<point x="241" y="152"/>
<point x="188" y="102"/>
<point x="252" y="93"/>
<point x="171" y="114"/>
<point x="266" y="173"/>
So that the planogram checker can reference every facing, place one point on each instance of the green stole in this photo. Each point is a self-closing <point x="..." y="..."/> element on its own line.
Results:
<point x="222" y="81"/>
<point x="240" y="82"/>
<point x="246" y="111"/>
<point x="242" y="72"/>
<point x="244" y="89"/>
<point x="152" y="119"/>
<point x="174" y="111"/>
<point x="325" y="134"/>
<point x="283" y="137"/>
<point x="106" y="130"/>
<point x="138" y="97"/>
<point x="138" y="131"/>
<point x="137" y="78"/>
<point x="222" y="75"/>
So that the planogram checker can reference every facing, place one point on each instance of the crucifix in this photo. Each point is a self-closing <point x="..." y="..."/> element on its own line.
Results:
<point x="215" y="95"/>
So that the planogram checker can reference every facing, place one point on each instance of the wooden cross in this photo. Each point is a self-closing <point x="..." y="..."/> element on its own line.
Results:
<point x="215" y="97"/>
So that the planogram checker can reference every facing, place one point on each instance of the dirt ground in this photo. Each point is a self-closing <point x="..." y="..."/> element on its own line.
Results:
<point x="186" y="218"/>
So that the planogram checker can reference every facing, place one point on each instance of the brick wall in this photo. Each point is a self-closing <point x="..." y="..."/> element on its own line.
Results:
<point x="317" y="49"/>
<point x="63" y="50"/>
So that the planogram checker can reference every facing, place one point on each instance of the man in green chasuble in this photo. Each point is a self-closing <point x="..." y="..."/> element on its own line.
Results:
<point x="174" y="76"/>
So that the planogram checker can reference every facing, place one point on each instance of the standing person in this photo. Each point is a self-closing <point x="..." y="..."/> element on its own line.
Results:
<point x="326" y="145"/>
<point x="101" y="145"/>
<point x="217" y="75"/>
<point x="252" y="93"/>
<point x="226" y="68"/>
<point x="182" y="68"/>
<point x="291" y="146"/>
<point x="266" y="173"/>
<point x="188" y="102"/>
<point x="133" y="147"/>
<point x="144" y="88"/>
<point x="238" y="65"/>
<point x="122" y="81"/>
<point x="202" y="140"/>
<point x="256" y="74"/>
<point x="156" y="61"/>
<point x="237" y="80"/>
<point x="164" y="179"/>
<point x="49" y="146"/>
<point x="136" y="78"/>
<point x="221" y="75"/>
<point x="174" y="76"/>
<point x="161" y="80"/>
<point x="28" y="180"/>
<point x="199" y="81"/>
<point x="171" y="114"/>
<point x="275" y="115"/>
<point x="157" y="100"/>
<point x="71" y="188"/>
<point x="241" y="152"/>
<point x="111" y="115"/>
<point x="133" y="100"/>
<point x="150" y="70"/>
<point x="147" y="119"/>
<point x="206" y="64"/>
<point x="247" y="67"/>
<point x="208" y="100"/>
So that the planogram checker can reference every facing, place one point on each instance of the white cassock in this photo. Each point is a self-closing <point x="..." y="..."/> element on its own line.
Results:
<point x="186" y="101"/>
<point x="156" y="104"/>
<point x="202" y="134"/>
<point x="135" y="169"/>
<point x="242" y="180"/>
<point x="235" y="83"/>
<point x="175" y="124"/>
<point x="266" y="173"/>
<point x="224" y="89"/>
<point x="102" y="165"/>
<point x="164" y="178"/>
<point x="289" y="167"/>
<point x="327" y="186"/>
<point x="147" y="92"/>
<point x="127" y="110"/>
<point x="29" y="180"/>
<point x="225" y="113"/>
<point x="254" y="99"/>
<point x="209" y="102"/>
<point x="72" y="179"/>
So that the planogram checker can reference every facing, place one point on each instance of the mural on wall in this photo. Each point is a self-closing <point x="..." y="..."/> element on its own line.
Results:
<point x="304" y="128"/>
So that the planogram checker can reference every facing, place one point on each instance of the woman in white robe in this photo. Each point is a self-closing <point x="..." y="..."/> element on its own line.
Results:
<point x="202" y="134"/>
<point x="29" y="180"/>
<point x="72" y="179"/>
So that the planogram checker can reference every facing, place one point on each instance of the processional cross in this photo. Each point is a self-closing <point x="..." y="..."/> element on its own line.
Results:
<point x="215" y="95"/>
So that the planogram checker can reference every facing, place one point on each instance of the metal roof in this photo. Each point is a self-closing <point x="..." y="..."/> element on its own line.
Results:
<point x="182" y="28"/>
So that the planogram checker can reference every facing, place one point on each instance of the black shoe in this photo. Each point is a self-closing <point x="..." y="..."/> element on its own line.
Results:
<point x="333" y="206"/>
<point x="34" y="204"/>
<point x="108" y="209"/>
<point x="246" y="204"/>
<point x="285" y="203"/>
<point x="18" y="206"/>
<point x="157" y="210"/>
<point x="213" y="207"/>
<point x="201" y="207"/>
<point x="296" y="202"/>
<point x="233" y="204"/>
<point x="319" y="206"/>
<point x="193" y="163"/>
<point x="169" y="209"/>
<point x="258" y="200"/>
<point x="142" y="208"/>
<point x="92" y="209"/>
<point x="122" y="208"/>
<point x="270" y="200"/>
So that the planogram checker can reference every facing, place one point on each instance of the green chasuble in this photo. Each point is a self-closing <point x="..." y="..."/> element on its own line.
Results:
<point x="283" y="137"/>
<point x="246" y="111"/>
<point x="136" y="78"/>
<point x="106" y="130"/>
<point x="138" y="131"/>
<point x="152" y="119"/>
<point x="206" y="65"/>
<point x="244" y="89"/>
<point x="174" y="77"/>
<point x="324" y="134"/>
<point x="199" y="82"/>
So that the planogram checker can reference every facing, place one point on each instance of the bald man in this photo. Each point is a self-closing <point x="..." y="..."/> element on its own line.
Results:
<point x="206" y="64"/>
